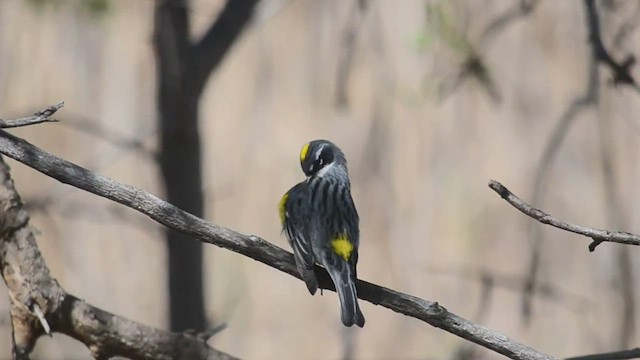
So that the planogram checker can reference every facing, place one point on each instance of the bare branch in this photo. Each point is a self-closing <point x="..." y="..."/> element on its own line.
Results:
<point x="207" y="53"/>
<point x="596" y="234"/>
<point x="39" y="304"/>
<point x="109" y="335"/>
<point x="590" y="98"/>
<point x="37" y="118"/>
<point x="497" y="25"/>
<point x="253" y="246"/>
<point x="581" y="103"/>
<point x="617" y="355"/>
<point x="621" y="70"/>
<point x="627" y="27"/>
<point x="474" y="65"/>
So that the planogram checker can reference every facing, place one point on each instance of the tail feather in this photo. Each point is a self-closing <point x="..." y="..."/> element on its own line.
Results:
<point x="346" y="289"/>
<point x="309" y="278"/>
<point x="305" y="264"/>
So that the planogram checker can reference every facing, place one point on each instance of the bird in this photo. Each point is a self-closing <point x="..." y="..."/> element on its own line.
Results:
<point x="321" y="223"/>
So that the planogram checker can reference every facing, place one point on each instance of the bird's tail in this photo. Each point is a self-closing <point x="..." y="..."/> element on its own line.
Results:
<point x="309" y="277"/>
<point x="345" y="282"/>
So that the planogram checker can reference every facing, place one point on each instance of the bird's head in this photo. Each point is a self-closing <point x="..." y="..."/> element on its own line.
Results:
<point x="320" y="154"/>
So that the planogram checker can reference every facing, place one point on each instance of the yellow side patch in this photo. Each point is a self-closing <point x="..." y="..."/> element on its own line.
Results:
<point x="282" y="207"/>
<point x="342" y="246"/>
<point x="304" y="152"/>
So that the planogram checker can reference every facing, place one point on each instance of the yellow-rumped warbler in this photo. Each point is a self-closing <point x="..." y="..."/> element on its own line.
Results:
<point x="320" y="221"/>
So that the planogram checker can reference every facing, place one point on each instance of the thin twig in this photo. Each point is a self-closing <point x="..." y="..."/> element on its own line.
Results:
<point x="498" y="24"/>
<point x="588" y="99"/>
<point x="627" y="28"/>
<point x="597" y="235"/>
<point x="621" y="71"/>
<point x="37" y="118"/>
<point x="550" y="152"/>
<point x="474" y="64"/>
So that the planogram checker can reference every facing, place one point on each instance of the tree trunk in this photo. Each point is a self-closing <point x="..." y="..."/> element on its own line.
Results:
<point x="183" y="68"/>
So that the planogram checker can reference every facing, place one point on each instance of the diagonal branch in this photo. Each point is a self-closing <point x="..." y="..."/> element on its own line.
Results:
<point x="207" y="53"/>
<point x="37" y="118"/>
<point x="615" y="355"/>
<point x="39" y="304"/>
<point x="621" y="70"/>
<point x="514" y="13"/>
<point x="596" y="234"/>
<point x="253" y="246"/>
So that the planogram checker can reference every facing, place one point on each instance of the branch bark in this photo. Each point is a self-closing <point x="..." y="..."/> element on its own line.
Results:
<point x="621" y="71"/>
<point x="38" y="302"/>
<point x="615" y="355"/>
<point x="37" y="118"/>
<point x="597" y="235"/>
<point x="252" y="246"/>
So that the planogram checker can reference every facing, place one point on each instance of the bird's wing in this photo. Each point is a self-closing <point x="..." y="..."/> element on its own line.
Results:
<point x="295" y="222"/>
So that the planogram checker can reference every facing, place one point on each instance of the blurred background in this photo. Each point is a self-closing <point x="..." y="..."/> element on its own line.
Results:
<point x="428" y="99"/>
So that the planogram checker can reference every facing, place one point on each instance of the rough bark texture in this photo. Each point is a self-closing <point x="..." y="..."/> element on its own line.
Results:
<point x="31" y="286"/>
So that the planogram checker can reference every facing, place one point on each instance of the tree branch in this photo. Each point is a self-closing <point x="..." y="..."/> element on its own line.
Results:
<point x="39" y="304"/>
<point x="37" y="118"/>
<point x="617" y="355"/>
<point x="497" y="25"/>
<point x="207" y="53"/>
<point x="253" y="246"/>
<point x="621" y="70"/>
<point x="596" y="234"/>
<point x="109" y="335"/>
<point x="589" y="99"/>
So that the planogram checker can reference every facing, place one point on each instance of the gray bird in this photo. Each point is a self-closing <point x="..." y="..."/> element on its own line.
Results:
<point x="320" y="221"/>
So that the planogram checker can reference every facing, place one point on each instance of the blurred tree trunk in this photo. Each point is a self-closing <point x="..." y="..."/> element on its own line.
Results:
<point x="183" y="67"/>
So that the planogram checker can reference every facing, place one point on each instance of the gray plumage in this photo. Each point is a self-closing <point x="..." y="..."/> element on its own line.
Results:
<point x="321" y="223"/>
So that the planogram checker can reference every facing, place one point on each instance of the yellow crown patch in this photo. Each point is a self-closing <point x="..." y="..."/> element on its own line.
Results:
<point x="304" y="152"/>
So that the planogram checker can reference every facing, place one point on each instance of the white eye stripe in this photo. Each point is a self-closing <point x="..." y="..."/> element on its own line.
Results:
<point x="319" y="151"/>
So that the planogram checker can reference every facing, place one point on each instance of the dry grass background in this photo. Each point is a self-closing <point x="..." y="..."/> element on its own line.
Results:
<point x="419" y="165"/>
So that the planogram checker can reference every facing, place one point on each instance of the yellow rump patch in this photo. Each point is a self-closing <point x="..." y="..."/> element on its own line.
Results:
<point x="282" y="207"/>
<point x="304" y="152"/>
<point x="342" y="246"/>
